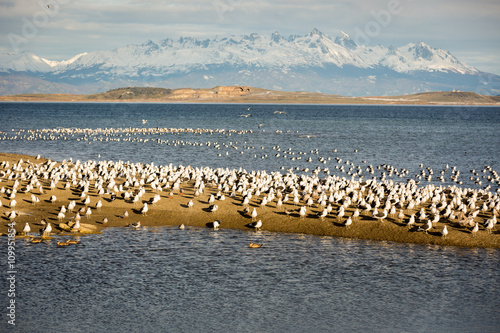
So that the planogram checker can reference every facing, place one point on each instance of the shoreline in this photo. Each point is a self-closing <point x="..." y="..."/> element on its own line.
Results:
<point x="252" y="95"/>
<point x="172" y="209"/>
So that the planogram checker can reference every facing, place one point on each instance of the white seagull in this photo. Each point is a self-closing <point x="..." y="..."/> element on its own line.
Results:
<point x="27" y="228"/>
<point x="444" y="232"/>
<point x="134" y="225"/>
<point x="256" y="225"/>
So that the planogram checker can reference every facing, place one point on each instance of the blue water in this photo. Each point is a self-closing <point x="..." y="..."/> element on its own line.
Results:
<point x="200" y="280"/>
<point x="404" y="137"/>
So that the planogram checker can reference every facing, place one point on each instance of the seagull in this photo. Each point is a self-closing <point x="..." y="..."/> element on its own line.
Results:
<point x="182" y="226"/>
<point x="76" y="226"/>
<point x="246" y="115"/>
<point x="144" y="209"/>
<point x="355" y="215"/>
<point x="401" y="215"/>
<point x="135" y="225"/>
<point x="256" y="225"/>
<point x="214" y="225"/>
<point x="411" y="221"/>
<point x="307" y="136"/>
<point x="253" y="214"/>
<point x="428" y="226"/>
<point x="380" y="216"/>
<point x="254" y="245"/>
<point x="444" y="232"/>
<point x="125" y="215"/>
<point x="323" y="214"/>
<point x="190" y="203"/>
<point x="302" y="212"/>
<point x="348" y="222"/>
<point x="280" y="112"/>
<point x="475" y="229"/>
<point x="144" y="121"/>
<point x="46" y="230"/>
<point x="27" y="228"/>
<point x="489" y="225"/>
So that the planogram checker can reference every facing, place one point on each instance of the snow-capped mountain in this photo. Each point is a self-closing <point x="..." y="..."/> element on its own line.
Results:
<point x="313" y="62"/>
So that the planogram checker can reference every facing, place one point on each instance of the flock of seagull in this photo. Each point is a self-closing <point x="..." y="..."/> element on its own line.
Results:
<point x="346" y="201"/>
<point x="225" y="145"/>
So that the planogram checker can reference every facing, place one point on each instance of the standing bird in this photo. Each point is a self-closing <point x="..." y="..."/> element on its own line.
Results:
<point x="411" y="221"/>
<point x="190" y="203"/>
<point x="323" y="214"/>
<point x="401" y="216"/>
<point x="46" y="230"/>
<point x="474" y="230"/>
<point x="428" y="226"/>
<point x="489" y="225"/>
<point x="355" y="215"/>
<point x="214" y="225"/>
<point x="380" y="216"/>
<point x="135" y="225"/>
<point x="256" y="225"/>
<point x="348" y="223"/>
<point x="302" y="212"/>
<point x="444" y="232"/>
<point x="26" y="229"/>
<point x="253" y="214"/>
<point x="144" y="209"/>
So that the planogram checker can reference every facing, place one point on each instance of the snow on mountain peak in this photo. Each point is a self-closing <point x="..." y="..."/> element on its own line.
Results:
<point x="187" y="54"/>
<point x="345" y="40"/>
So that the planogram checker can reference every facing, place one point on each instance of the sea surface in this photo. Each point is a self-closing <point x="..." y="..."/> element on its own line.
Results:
<point x="200" y="280"/>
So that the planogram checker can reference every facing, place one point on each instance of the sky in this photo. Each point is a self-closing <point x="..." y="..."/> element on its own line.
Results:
<point x="61" y="29"/>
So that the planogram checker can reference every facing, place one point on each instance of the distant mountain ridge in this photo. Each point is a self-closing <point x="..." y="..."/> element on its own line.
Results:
<point x="313" y="62"/>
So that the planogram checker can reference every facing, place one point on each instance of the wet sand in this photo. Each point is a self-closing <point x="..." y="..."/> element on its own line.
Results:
<point x="172" y="210"/>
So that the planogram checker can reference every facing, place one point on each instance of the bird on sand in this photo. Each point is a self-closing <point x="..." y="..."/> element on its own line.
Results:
<point x="253" y="214"/>
<point x="27" y="228"/>
<point x="444" y="232"/>
<point x="475" y="229"/>
<point x="428" y="226"/>
<point x="135" y="225"/>
<point x="214" y="225"/>
<point x="256" y="225"/>
<point x="46" y="230"/>
<point x="348" y="222"/>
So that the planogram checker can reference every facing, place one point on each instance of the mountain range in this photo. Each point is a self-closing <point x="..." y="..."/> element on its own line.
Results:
<point x="314" y="62"/>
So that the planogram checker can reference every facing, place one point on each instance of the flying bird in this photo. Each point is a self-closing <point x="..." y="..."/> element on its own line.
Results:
<point x="280" y="112"/>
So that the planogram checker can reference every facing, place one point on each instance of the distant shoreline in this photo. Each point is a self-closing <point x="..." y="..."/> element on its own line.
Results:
<point x="250" y="95"/>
